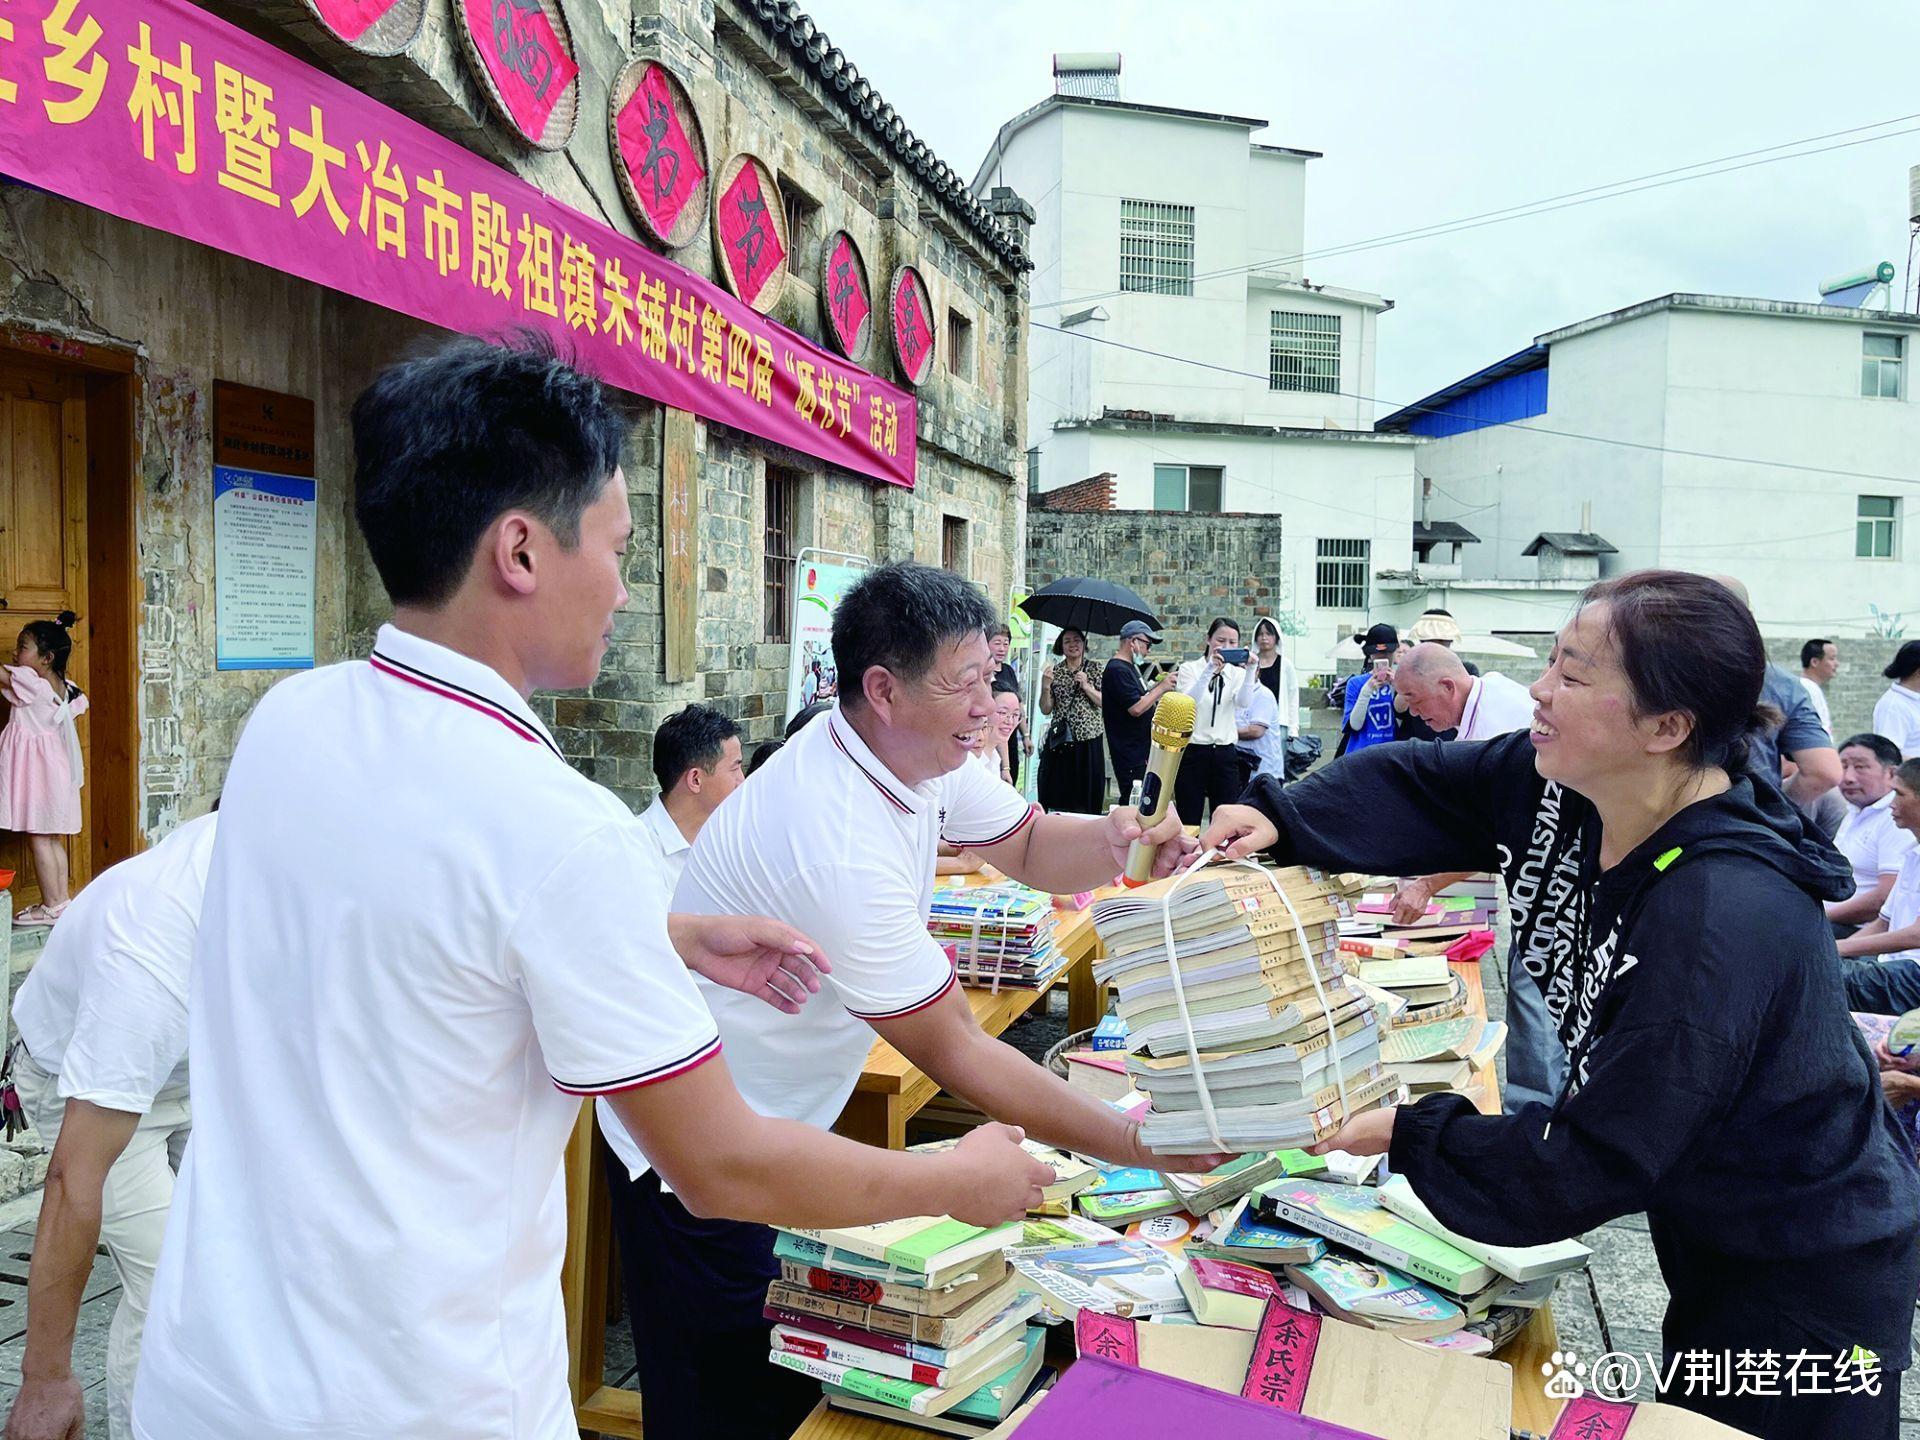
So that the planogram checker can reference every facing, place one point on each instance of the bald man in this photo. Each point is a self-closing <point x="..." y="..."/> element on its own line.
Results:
<point x="1439" y="690"/>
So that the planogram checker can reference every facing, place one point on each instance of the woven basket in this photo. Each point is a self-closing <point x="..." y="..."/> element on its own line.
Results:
<point x="1056" y="1057"/>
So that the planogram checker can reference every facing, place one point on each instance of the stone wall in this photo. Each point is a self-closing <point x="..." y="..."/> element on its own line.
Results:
<point x="1188" y="568"/>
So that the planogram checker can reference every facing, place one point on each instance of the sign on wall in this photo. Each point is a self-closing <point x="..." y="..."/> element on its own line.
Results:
<point x="750" y="232"/>
<point x="845" y="297"/>
<point x="265" y="528"/>
<point x="373" y="27"/>
<point x="522" y="52"/>
<point x="911" y="308"/>
<point x="679" y="542"/>
<point x="662" y="152"/>
<point x="817" y="588"/>
<point x="160" y="113"/>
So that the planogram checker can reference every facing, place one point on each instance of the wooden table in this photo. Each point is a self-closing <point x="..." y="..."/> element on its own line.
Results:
<point x="1526" y="1352"/>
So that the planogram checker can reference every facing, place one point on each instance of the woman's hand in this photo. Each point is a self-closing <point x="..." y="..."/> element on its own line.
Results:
<point x="1368" y="1134"/>
<point x="1239" y="830"/>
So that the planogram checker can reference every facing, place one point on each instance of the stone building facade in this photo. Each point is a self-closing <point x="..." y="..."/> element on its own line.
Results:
<point x="158" y="320"/>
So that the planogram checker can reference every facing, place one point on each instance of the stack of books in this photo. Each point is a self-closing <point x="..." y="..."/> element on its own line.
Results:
<point x="1265" y="1043"/>
<point x="1002" y="932"/>
<point x="912" y="1319"/>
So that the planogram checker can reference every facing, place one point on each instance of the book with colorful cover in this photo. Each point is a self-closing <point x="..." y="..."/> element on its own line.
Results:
<point x="1126" y="1180"/>
<point x="1354" y="1216"/>
<point x="902" y="1394"/>
<point x="902" y="1359"/>
<point x="1172" y="1233"/>
<point x="1226" y="1183"/>
<point x="944" y="1330"/>
<point x="1377" y="1296"/>
<point x="1221" y="1292"/>
<point x="987" y="1406"/>
<point x="922" y="1245"/>
<point x="1516" y="1262"/>
<point x="1127" y="1207"/>
<point x="1054" y="1231"/>
<point x="1123" y="1277"/>
<point x="841" y="1272"/>
<point x="1243" y="1237"/>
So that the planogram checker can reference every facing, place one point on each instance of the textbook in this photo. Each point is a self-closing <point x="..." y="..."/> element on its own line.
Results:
<point x="845" y="1269"/>
<point x="1377" y="1296"/>
<point x="1125" y="1180"/>
<point x="925" y="1245"/>
<point x="1353" y="1216"/>
<point x="978" y="1412"/>
<point x="1201" y="1194"/>
<point x="1407" y="972"/>
<point x="1220" y="1292"/>
<point x="1056" y="1230"/>
<point x="1120" y="1277"/>
<point x="904" y="1394"/>
<point x="1071" y="1175"/>
<point x="1516" y="1262"/>
<point x="1241" y="1021"/>
<point x="1129" y="1206"/>
<point x="901" y="1359"/>
<point x="793" y="1301"/>
<point x="1271" y="1127"/>
<point x="1244" y="1238"/>
<point x="1463" y="1038"/>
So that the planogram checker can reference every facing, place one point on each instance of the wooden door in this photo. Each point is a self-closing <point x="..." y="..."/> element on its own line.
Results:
<point x="43" y="551"/>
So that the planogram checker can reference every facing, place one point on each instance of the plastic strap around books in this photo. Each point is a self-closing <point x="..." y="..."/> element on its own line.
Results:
<point x="1313" y="974"/>
<point x="973" y="949"/>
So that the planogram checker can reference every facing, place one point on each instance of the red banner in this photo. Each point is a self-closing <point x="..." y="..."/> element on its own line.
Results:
<point x="155" y="111"/>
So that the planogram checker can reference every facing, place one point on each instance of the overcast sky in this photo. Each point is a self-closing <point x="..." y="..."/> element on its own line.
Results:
<point x="1430" y="110"/>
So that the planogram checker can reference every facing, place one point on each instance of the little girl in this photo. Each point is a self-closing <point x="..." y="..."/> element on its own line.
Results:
<point x="40" y="774"/>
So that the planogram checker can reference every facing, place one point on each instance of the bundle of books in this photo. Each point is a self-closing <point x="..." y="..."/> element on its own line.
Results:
<point x="913" y="1319"/>
<point x="1254" y="1018"/>
<point x="1002" y="932"/>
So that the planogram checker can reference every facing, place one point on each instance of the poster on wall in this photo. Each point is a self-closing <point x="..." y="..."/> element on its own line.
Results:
<point x="265" y="536"/>
<point x="817" y="588"/>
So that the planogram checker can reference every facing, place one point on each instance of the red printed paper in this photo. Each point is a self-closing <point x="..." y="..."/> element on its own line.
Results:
<point x="354" y="196"/>
<point x="747" y="231"/>
<point x="1282" y="1362"/>
<point x="350" y="19"/>
<point x="1588" y="1417"/>
<point x="528" y="63"/>
<point x="912" y="324"/>
<point x="1107" y="1336"/>
<point x="1235" y="1279"/>
<point x="847" y="305"/>
<point x="661" y="159"/>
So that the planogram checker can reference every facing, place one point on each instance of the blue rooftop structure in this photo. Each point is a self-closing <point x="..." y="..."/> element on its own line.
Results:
<point x="1510" y="389"/>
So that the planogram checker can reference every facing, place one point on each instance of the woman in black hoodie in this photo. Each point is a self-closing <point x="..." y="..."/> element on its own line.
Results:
<point x="1669" y="908"/>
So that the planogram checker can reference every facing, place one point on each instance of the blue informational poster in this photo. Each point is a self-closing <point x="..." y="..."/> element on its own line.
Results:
<point x="265" y="533"/>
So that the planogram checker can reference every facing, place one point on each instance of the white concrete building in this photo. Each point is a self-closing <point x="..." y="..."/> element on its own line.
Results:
<point x="1644" y="430"/>
<point x="1149" y="222"/>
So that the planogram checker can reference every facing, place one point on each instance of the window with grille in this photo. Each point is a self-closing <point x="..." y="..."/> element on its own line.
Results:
<point x="1880" y="360"/>
<point x="1156" y="248"/>
<point x="1873" y="527"/>
<point x="783" y="494"/>
<point x="800" y="208"/>
<point x="959" y="344"/>
<point x="1340" y="575"/>
<point x="953" y="544"/>
<point x="1304" y="352"/>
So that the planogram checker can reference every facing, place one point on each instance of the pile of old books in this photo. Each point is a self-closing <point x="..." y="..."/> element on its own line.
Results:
<point x="1275" y="1029"/>
<point x="919" y="1320"/>
<point x="1000" y="933"/>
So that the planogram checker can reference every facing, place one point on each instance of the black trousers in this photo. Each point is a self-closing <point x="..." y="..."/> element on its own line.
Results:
<point x="1805" y="1417"/>
<point x="695" y="1289"/>
<point x="1209" y="775"/>
<point x="1127" y="768"/>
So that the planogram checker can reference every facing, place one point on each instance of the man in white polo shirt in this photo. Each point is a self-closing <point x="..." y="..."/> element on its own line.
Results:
<point x="1872" y="843"/>
<point x="837" y="835"/>
<point x="102" y="1074"/>
<point x="424" y="935"/>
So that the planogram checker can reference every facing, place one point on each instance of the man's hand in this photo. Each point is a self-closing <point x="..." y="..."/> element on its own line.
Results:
<point x="1239" y="831"/>
<point x="1368" y="1134"/>
<point x="995" y="1181"/>
<point x="1169" y="838"/>
<point x="48" y="1409"/>
<point x="754" y="955"/>
<point x="1410" y="901"/>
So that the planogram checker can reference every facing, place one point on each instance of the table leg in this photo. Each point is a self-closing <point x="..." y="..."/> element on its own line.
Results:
<point x="1084" y="1000"/>
<point x="874" y="1119"/>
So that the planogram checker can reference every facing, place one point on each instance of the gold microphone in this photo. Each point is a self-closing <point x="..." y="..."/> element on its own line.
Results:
<point x="1172" y="729"/>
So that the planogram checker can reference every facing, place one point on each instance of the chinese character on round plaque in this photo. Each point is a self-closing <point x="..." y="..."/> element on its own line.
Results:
<point x="750" y="232"/>
<point x="522" y="53"/>
<point x="660" y="152"/>
<point x="846" y="297"/>
<point x="910" y="309"/>
<point x="373" y="27"/>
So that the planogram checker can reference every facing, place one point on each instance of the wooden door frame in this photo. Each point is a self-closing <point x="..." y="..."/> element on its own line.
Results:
<point x="111" y="607"/>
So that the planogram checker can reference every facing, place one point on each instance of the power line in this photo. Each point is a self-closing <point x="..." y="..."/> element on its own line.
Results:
<point x="1654" y="180"/>
<point x="1510" y="424"/>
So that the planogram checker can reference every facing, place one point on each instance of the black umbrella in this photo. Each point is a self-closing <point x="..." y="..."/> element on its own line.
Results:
<point x="1095" y="607"/>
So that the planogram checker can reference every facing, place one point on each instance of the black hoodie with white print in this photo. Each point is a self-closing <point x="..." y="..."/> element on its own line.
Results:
<point x="1716" y="1080"/>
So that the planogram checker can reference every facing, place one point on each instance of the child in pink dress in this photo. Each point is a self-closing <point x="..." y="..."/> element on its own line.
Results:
<point x="40" y="775"/>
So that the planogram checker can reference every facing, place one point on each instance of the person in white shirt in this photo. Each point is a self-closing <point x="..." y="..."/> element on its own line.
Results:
<point x="1437" y="688"/>
<point x="1210" y="767"/>
<point x="1896" y="714"/>
<point x="1276" y="671"/>
<point x="102" y="1075"/>
<point x="425" y="937"/>
<point x="1894" y="934"/>
<point x="1263" y="740"/>
<point x="1819" y="663"/>
<point x="837" y="836"/>
<point x="1872" y="843"/>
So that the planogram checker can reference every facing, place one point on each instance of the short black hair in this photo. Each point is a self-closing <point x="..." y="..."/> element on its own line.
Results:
<point x="806" y="713"/>
<point x="764" y="752"/>
<point x="696" y="736"/>
<point x="1883" y="749"/>
<point x="443" y="444"/>
<point x="897" y="617"/>
<point x="1905" y="661"/>
<point x="1812" y="651"/>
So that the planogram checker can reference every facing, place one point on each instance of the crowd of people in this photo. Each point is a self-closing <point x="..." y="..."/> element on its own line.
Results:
<point x="412" y="938"/>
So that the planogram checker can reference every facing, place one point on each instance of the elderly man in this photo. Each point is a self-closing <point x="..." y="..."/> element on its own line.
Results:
<point x="1127" y="702"/>
<point x="1868" y="837"/>
<point x="838" y="835"/>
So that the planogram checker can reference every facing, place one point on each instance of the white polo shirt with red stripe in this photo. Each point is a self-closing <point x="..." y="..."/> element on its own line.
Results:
<point x="826" y="838"/>
<point x="424" y="936"/>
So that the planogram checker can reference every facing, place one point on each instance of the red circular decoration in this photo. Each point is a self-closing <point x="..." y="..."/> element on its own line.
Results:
<point x="660" y="152"/>
<point x="846" y="297"/>
<point x="750" y="231"/>
<point x="373" y="27"/>
<point x="910" y="311"/>
<point x="522" y="52"/>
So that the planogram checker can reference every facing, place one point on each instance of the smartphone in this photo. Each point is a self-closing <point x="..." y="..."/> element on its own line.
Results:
<point x="1237" y="656"/>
